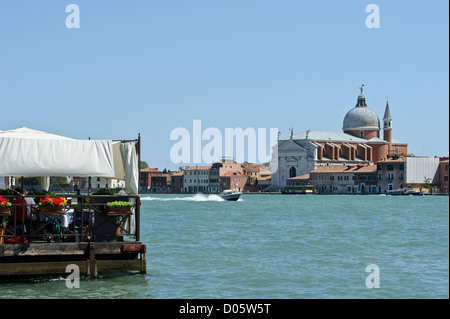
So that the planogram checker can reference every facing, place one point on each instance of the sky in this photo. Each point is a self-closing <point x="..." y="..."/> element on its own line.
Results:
<point x="149" y="67"/>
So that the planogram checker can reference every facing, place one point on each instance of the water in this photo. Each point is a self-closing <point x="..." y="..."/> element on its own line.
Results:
<point x="278" y="246"/>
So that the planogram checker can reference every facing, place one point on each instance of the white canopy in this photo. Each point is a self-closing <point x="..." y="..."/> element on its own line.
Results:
<point x="27" y="152"/>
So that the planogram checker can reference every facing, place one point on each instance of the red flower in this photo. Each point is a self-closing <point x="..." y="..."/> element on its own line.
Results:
<point x="56" y="201"/>
<point x="3" y="201"/>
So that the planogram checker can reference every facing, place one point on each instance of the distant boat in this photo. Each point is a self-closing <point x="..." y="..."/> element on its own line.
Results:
<point x="229" y="194"/>
<point x="405" y="191"/>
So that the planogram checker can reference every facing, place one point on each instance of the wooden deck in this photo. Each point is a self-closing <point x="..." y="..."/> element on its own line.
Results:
<point x="53" y="258"/>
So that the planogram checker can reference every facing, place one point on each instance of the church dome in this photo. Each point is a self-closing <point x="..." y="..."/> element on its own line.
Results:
<point x="361" y="117"/>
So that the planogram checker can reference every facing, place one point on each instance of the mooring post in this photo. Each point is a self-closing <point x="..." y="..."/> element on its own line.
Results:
<point x="92" y="266"/>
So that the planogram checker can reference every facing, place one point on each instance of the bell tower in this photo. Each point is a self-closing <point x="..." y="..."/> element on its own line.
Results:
<point x="387" y="124"/>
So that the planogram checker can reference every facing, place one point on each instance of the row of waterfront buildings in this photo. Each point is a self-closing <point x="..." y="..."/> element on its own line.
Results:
<point x="362" y="158"/>
<point x="225" y="174"/>
<point x="397" y="172"/>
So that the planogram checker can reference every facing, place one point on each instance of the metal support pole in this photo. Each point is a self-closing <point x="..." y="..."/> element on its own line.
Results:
<point x="92" y="266"/>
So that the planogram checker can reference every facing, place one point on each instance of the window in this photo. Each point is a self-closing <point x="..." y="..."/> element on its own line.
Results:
<point x="390" y="167"/>
<point x="390" y="176"/>
<point x="379" y="177"/>
<point x="401" y="166"/>
<point x="332" y="178"/>
<point x="446" y="178"/>
<point x="361" y="133"/>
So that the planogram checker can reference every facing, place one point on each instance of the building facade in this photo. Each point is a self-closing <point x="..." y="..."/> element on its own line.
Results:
<point x="443" y="174"/>
<point x="422" y="173"/>
<point x="390" y="174"/>
<point x="345" y="179"/>
<point x="221" y="168"/>
<point x="97" y="183"/>
<point x="152" y="180"/>
<point x="232" y="180"/>
<point x="196" y="179"/>
<point x="177" y="182"/>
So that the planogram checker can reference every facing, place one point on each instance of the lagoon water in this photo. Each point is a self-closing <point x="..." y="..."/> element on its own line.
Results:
<point x="278" y="246"/>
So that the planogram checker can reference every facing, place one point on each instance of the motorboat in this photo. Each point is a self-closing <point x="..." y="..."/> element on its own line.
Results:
<point x="405" y="191"/>
<point x="229" y="194"/>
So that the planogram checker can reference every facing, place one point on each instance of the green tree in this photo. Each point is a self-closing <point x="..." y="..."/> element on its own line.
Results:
<point x="143" y="164"/>
<point x="427" y="183"/>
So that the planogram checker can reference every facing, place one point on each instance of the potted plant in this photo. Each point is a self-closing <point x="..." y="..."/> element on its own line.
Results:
<point x="119" y="208"/>
<point x="52" y="205"/>
<point x="5" y="205"/>
<point x="4" y="220"/>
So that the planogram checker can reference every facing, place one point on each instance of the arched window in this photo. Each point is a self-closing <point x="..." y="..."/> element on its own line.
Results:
<point x="292" y="172"/>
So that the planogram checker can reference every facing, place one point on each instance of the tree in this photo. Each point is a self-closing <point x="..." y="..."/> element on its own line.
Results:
<point x="143" y="164"/>
<point x="427" y="183"/>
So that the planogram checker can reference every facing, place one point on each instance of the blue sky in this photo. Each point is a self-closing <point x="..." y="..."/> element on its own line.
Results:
<point x="149" y="67"/>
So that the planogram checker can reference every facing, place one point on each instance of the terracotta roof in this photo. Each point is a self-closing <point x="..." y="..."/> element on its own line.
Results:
<point x="194" y="168"/>
<point x="367" y="169"/>
<point x="305" y="176"/>
<point x="345" y="169"/>
<point x="180" y="173"/>
<point x="253" y="167"/>
<point x="228" y="174"/>
<point x="149" y="169"/>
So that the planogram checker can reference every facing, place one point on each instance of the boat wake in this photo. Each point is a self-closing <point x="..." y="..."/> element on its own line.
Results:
<point x="195" y="198"/>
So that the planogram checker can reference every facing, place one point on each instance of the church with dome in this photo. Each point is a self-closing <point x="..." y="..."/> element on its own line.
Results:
<point x="360" y="142"/>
